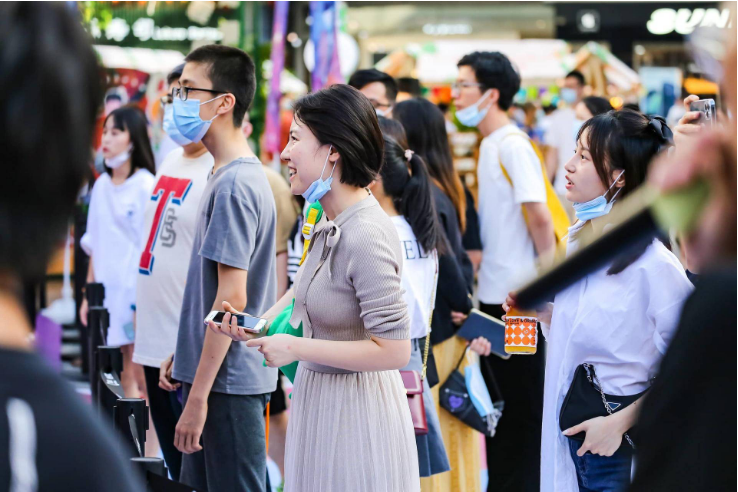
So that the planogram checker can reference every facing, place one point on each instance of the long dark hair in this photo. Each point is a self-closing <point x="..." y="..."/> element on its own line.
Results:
<point x="626" y="141"/>
<point x="407" y="182"/>
<point x="133" y="120"/>
<point x="426" y="134"/>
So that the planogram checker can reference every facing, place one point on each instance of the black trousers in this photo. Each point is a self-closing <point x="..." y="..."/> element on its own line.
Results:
<point x="514" y="453"/>
<point x="165" y="412"/>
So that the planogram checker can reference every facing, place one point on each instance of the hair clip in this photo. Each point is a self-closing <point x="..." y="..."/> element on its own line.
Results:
<point x="408" y="155"/>
<point x="658" y="124"/>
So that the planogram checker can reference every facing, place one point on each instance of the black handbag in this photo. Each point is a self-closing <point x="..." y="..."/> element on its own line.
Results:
<point x="454" y="398"/>
<point x="585" y="400"/>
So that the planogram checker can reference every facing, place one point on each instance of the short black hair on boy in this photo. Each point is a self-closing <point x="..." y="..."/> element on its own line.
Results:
<point x="494" y="71"/>
<point x="175" y="74"/>
<point x="47" y="158"/>
<point x="230" y="70"/>
<point x="577" y="75"/>
<point x="362" y="78"/>
<point x="342" y="117"/>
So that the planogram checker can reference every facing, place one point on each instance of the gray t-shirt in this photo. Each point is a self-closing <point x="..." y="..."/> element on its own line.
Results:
<point x="235" y="226"/>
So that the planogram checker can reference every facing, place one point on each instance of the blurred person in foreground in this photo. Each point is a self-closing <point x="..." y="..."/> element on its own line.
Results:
<point x="687" y="423"/>
<point x="49" y="439"/>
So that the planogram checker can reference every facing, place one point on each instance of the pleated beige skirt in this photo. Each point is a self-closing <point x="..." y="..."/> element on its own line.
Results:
<point x="350" y="432"/>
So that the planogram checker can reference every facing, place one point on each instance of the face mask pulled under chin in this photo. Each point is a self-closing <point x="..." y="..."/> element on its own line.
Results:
<point x="320" y="186"/>
<point x="472" y="115"/>
<point x="597" y="207"/>
<point x="118" y="160"/>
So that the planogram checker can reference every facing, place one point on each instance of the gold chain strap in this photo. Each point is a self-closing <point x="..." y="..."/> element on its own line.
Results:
<point x="430" y="319"/>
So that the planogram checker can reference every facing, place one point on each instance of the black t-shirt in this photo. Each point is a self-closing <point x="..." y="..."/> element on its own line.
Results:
<point x="47" y="431"/>
<point x="686" y="434"/>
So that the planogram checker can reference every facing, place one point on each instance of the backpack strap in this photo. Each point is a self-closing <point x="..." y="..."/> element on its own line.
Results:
<point x="558" y="213"/>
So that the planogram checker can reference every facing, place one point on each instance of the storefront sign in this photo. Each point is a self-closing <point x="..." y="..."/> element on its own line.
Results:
<point x="145" y="29"/>
<point x="685" y="21"/>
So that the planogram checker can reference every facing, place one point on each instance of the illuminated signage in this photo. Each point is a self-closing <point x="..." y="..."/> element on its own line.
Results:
<point x="685" y="21"/>
<point x="145" y="29"/>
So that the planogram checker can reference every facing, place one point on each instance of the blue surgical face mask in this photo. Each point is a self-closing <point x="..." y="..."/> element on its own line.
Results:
<point x="596" y="207"/>
<point x="568" y="95"/>
<point x="171" y="129"/>
<point x="187" y="118"/>
<point x="320" y="187"/>
<point x="472" y="115"/>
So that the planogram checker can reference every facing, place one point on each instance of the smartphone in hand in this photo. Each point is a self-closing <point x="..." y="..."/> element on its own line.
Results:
<point x="706" y="108"/>
<point x="248" y="323"/>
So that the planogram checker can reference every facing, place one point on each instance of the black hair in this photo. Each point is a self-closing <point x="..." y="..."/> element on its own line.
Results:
<point x="133" y="120"/>
<point x="494" y="71"/>
<point x="577" y="75"/>
<point x="175" y="74"/>
<point x="597" y="105"/>
<point x="394" y="129"/>
<point x="625" y="141"/>
<point x="48" y="156"/>
<point x="408" y="184"/>
<point x="410" y="85"/>
<point x="425" y="127"/>
<point x="362" y="78"/>
<point x="632" y="106"/>
<point x="230" y="70"/>
<point x="342" y="117"/>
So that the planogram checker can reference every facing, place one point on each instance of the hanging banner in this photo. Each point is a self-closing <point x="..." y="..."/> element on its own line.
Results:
<point x="279" y="32"/>
<point x="323" y="34"/>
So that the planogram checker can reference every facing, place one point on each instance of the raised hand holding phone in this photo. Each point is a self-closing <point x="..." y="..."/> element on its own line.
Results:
<point x="235" y="324"/>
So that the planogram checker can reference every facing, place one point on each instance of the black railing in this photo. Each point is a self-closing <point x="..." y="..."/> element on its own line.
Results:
<point x="130" y="416"/>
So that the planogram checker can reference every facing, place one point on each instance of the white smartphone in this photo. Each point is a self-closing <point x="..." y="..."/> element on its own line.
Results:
<point x="248" y="323"/>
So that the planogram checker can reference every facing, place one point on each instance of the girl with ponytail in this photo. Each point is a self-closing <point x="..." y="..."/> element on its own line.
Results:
<point x="403" y="191"/>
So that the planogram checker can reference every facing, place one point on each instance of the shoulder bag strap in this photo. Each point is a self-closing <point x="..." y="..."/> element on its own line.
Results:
<point x="430" y="318"/>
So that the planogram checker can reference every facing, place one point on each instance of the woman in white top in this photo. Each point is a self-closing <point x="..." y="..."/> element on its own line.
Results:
<point x="115" y="229"/>
<point x="619" y="319"/>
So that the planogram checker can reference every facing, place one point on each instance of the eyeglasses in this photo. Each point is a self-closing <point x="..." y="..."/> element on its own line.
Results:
<point x="184" y="92"/>
<point x="463" y="85"/>
<point x="378" y="105"/>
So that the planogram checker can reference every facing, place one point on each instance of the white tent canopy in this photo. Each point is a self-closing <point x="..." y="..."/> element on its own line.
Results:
<point x="535" y="59"/>
<point x="143" y="59"/>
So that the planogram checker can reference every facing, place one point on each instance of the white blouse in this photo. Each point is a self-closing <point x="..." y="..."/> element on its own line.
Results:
<point x="622" y="324"/>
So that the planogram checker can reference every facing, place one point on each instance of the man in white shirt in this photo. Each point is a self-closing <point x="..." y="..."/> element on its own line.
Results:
<point x="169" y="226"/>
<point x="510" y="180"/>
<point x="562" y="133"/>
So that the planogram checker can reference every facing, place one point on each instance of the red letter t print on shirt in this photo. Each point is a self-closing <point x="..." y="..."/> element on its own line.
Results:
<point x="166" y="189"/>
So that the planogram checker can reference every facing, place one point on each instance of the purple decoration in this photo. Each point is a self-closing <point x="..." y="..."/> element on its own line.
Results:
<point x="48" y="341"/>
<point x="272" y="111"/>
<point x="455" y="401"/>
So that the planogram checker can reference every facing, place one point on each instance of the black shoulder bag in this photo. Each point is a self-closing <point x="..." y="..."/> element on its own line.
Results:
<point x="585" y="400"/>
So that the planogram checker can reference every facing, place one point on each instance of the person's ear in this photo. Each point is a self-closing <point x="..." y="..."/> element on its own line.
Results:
<point x="620" y="180"/>
<point x="334" y="156"/>
<point x="494" y="97"/>
<point x="227" y="103"/>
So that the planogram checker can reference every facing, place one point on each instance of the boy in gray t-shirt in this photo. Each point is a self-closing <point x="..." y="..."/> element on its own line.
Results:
<point x="225" y="385"/>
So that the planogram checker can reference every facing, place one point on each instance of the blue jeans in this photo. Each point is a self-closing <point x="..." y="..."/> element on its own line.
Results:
<point x="601" y="473"/>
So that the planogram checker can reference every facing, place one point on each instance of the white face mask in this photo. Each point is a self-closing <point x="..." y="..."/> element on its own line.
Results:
<point x="118" y="160"/>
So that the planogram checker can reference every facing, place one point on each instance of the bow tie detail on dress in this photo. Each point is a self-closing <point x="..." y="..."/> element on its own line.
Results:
<point x="332" y="233"/>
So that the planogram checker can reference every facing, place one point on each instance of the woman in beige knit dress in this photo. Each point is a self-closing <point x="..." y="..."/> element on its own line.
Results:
<point x="350" y="427"/>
